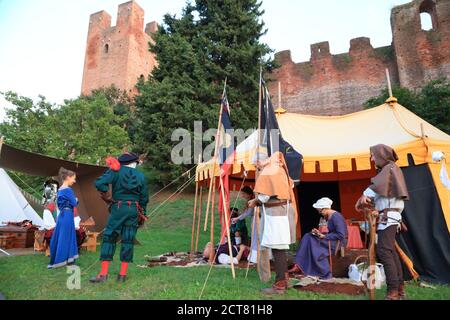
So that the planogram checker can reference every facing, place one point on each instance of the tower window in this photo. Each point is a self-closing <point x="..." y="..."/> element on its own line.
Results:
<point x="426" y="22"/>
<point x="106" y="48"/>
<point x="428" y="18"/>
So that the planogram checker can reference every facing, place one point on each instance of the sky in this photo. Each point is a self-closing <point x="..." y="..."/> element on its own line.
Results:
<point x="43" y="42"/>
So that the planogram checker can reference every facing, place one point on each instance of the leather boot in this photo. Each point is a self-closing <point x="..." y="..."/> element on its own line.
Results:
<point x="98" y="279"/>
<point x="392" y="294"/>
<point x="279" y="287"/>
<point x="401" y="292"/>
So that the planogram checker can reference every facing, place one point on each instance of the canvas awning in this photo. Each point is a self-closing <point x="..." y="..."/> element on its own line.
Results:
<point x="340" y="144"/>
<point x="322" y="140"/>
<point x="90" y="203"/>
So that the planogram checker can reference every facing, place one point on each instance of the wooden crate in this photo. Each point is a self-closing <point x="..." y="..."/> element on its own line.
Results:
<point x="6" y="242"/>
<point x="23" y="237"/>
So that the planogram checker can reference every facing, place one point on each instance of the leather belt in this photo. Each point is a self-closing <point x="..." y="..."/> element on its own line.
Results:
<point x="275" y="204"/>
<point x="386" y="210"/>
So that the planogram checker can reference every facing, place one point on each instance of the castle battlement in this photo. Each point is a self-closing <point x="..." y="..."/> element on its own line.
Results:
<point x="340" y="83"/>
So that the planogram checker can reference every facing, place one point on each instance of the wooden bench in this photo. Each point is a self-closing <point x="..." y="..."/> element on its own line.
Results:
<point x="91" y="242"/>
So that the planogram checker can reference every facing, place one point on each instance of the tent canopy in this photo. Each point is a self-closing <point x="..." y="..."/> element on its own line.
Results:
<point x="90" y="203"/>
<point x="13" y="205"/>
<point x="337" y="147"/>
<point x="323" y="140"/>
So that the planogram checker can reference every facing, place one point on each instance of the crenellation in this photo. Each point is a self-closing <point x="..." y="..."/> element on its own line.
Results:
<point x="320" y="50"/>
<point x="341" y="83"/>
<point x="151" y="28"/>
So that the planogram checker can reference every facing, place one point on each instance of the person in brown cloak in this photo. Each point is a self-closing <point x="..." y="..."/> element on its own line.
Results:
<point x="274" y="194"/>
<point x="387" y="194"/>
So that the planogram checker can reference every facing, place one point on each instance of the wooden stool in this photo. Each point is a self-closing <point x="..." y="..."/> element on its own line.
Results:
<point x="91" y="243"/>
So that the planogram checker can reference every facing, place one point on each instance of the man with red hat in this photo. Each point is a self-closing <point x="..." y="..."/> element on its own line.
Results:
<point x="129" y="201"/>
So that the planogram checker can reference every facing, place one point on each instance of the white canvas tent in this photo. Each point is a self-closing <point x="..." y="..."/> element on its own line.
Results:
<point x="13" y="205"/>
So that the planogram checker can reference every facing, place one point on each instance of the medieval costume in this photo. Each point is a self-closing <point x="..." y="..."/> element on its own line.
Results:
<point x="274" y="194"/>
<point x="387" y="193"/>
<point x="50" y="224"/>
<point x="238" y="230"/>
<point x="63" y="243"/>
<point x="127" y="206"/>
<point x="314" y="251"/>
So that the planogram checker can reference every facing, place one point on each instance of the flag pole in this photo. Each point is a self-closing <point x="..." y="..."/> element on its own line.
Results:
<point x="227" y="225"/>
<point x="215" y="156"/>
<point x="257" y="210"/>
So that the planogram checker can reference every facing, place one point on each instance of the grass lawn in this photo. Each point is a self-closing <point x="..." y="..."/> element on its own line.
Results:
<point x="26" y="277"/>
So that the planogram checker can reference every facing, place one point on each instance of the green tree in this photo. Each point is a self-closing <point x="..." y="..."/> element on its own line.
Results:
<point x="85" y="129"/>
<point x="211" y="41"/>
<point x="432" y="102"/>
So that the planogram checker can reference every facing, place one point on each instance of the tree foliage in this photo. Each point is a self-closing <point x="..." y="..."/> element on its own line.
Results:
<point x="211" y="41"/>
<point x="432" y="102"/>
<point x="85" y="129"/>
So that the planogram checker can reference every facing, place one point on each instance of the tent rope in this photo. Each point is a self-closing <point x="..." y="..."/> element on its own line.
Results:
<point x="171" y="183"/>
<point x="26" y="185"/>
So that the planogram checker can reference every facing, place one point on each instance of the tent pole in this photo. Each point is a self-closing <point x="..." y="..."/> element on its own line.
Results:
<point x="211" y="255"/>
<point x="389" y="83"/>
<point x="215" y="155"/>
<point x="200" y="210"/>
<point x="193" y="218"/>
<point x="4" y="252"/>
<point x="279" y="94"/>
<point x="227" y="225"/>
<point x="2" y="140"/>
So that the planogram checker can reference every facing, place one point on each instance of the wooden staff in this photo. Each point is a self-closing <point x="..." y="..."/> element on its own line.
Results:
<point x="371" y="217"/>
<point x="193" y="218"/>
<point x="219" y="125"/>
<point x="199" y="217"/>
<point x="225" y="209"/>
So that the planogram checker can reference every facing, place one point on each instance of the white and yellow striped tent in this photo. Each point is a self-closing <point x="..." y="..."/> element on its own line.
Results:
<point x="336" y="148"/>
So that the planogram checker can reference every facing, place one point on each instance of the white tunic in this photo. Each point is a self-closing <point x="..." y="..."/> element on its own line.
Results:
<point x="275" y="230"/>
<point x="381" y="203"/>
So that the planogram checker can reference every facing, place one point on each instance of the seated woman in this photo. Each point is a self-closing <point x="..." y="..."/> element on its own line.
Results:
<point x="222" y="253"/>
<point x="313" y="254"/>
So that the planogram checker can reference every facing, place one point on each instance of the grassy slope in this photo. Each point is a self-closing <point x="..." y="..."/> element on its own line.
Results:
<point x="26" y="277"/>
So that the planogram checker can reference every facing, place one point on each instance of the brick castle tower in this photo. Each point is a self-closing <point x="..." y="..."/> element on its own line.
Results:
<point x="118" y="55"/>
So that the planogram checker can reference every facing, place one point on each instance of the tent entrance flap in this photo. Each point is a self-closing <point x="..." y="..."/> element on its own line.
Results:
<point x="427" y="241"/>
<point x="308" y="193"/>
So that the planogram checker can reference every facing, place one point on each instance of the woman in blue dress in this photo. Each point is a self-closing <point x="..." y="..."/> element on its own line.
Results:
<point x="313" y="254"/>
<point x="63" y="244"/>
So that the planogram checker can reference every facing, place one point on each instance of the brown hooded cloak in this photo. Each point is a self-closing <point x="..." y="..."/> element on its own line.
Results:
<point x="389" y="182"/>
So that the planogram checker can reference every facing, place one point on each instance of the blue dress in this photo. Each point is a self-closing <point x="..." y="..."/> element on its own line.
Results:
<point x="63" y="244"/>
<point x="313" y="253"/>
